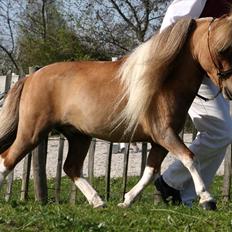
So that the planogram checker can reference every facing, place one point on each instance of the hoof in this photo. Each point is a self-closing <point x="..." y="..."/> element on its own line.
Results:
<point x="123" y="205"/>
<point x="100" y="206"/>
<point x="167" y="193"/>
<point x="209" y="205"/>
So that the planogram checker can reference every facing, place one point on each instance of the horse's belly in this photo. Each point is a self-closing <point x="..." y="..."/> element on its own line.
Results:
<point x="104" y="131"/>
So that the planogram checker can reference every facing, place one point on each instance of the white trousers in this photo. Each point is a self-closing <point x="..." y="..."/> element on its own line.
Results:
<point x="213" y="122"/>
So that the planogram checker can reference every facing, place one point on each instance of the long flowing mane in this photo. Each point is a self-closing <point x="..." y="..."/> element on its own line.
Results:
<point x="146" y="68"/>
<point x="222" y="36"/>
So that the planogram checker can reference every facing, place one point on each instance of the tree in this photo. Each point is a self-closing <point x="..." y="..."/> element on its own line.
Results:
<point x="115" y="26"/>
<point x="45" y="37"/>
<point x="9" y="11"/>
<point x="46" y="31"/>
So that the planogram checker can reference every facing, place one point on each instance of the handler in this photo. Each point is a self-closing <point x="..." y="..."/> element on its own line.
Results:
<point x="211" y="118"/>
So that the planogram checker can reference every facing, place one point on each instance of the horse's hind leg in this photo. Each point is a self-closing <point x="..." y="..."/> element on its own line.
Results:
<point x="29" y="133"/>
<point x="154" y="160"/>
<point x="78" y="148"/>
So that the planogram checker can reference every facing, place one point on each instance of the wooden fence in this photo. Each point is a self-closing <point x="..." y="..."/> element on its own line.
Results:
<point x="37" y="160"/>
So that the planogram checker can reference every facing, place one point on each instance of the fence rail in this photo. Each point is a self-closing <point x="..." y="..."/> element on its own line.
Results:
<point x="37" y="161"/>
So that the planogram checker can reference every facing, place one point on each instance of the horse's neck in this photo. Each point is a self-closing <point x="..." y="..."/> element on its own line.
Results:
<point x="198" y="46"/>
<point x="182" y="86"/>
<point x="187" y="75"/>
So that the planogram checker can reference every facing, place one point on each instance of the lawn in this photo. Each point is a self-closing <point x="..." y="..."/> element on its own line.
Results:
<point x="143" y="215"/>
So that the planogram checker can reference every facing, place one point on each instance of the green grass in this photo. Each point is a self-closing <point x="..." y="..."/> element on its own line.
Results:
<point x="144" y="215"/>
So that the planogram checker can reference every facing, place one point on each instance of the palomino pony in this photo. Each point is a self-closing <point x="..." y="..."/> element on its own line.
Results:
<point x="145" y="96"/>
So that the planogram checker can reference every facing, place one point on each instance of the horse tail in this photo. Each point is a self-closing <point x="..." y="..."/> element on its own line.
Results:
<point x="145" y="70"/>
<point x="9" y="115"/>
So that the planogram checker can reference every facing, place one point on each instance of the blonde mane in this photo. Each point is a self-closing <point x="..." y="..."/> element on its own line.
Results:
<point x="145" y="69"/>
<point x="223" y="34"/>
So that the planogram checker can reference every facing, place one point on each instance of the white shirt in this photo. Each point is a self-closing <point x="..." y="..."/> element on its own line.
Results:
<point x="182" y="8"/>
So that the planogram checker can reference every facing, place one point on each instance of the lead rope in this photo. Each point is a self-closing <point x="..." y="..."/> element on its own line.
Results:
<point x="209" y="99"/>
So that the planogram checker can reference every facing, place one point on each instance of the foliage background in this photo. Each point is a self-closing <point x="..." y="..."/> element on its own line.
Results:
<point x="46" y="31"/>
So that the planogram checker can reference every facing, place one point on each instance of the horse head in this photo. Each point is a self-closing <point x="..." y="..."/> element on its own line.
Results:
<point x="216" y="56"/>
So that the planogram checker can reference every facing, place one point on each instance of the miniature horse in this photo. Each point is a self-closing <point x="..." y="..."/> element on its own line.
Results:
<point x="144" y="96"/>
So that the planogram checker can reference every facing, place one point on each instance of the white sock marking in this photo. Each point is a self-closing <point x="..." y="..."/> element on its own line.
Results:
<point x="3" y="171"/>
<point x="89" y="192"/>
<point x="143" y="182"/>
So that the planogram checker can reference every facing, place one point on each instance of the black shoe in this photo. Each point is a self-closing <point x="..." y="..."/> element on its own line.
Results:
<point x="167" y="193"/>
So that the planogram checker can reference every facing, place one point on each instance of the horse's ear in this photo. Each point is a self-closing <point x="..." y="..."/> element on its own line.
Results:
<point x="230" y="12"/>
<point x="230" y="16"/>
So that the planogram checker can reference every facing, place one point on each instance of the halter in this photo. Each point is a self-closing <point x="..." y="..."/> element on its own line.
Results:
<point x="222" y="75"/>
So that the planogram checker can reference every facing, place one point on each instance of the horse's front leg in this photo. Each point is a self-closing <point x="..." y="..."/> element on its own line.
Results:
<point x="172" y="142"/>
<point x="154" y="160"/>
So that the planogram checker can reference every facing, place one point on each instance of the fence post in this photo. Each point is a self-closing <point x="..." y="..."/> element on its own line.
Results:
<point x="25" y="177"/>
<point x="91" y="161"/>
<point x="9" y="187"/>
<point x="125" y="169"/>
<point x="73" y="194"/>
<point x="227" y="176"/>
<point x="8" y="81"/>
<point x="108" y="169"/>
<point x="39" y="155"/>
<point x="59" y="168"/>
<point x="143" y="158"/>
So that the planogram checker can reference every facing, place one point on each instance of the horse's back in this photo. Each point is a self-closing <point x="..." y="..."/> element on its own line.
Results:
<point x="81" y="94"/>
